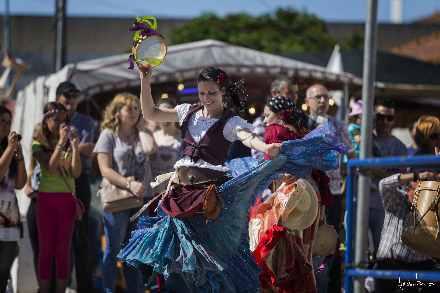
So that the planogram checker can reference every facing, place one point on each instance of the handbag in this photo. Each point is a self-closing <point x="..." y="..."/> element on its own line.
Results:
<point x="421" y="228"/>
<point x="115" y="199"/>
<point x="79" y="206"/>
<point x="325" y="242"/>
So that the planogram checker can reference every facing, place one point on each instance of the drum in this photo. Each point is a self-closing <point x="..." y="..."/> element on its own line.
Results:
<point x="421" y="228"/>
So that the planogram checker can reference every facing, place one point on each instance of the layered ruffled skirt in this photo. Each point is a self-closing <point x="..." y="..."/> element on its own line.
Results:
<point x="199" y="256"/>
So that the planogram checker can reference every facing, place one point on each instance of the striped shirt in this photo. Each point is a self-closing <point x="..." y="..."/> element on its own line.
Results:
<point x="397" y="208"/>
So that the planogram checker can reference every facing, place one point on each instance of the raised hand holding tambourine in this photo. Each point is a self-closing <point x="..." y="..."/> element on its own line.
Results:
<point x="149" y="47"/>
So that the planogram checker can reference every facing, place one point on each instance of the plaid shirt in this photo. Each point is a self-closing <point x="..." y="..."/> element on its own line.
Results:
<point x="397" y="208"/>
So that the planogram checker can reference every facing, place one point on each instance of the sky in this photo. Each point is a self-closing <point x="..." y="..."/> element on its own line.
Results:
<point x="336" y="10"/>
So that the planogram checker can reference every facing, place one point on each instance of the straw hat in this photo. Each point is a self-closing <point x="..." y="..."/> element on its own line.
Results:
<point x="300" y="205"/>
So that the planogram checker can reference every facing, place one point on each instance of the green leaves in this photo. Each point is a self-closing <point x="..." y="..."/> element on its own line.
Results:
<point x="151" y="21"/>
<point x="285" y="31"/>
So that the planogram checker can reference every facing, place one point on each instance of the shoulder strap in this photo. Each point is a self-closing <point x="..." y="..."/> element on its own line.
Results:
<point x="192" y="109"/>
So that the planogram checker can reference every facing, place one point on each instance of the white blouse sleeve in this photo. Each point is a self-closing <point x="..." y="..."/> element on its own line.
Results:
<point x="182" y="111"/>
<point x="233" y="125"/>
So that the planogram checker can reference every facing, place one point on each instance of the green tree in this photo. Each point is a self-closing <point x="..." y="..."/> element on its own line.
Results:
<point x="285" y="31"/>
<point x="355" y="41"/>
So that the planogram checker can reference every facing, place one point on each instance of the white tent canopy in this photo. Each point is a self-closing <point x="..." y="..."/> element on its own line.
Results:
<point x="182" y="62"/>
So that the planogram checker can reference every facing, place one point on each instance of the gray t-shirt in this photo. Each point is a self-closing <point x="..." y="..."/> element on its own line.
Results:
<point x="128" y="159"/>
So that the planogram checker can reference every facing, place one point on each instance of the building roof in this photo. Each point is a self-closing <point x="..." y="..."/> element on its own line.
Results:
<point x="403" y="78"/>
<point x="426" y="48"/>
<point x="430" y="19"/>
<point x="182" y="62"/>
<point x="390" y="68"/>
<point x="186" y="60"/>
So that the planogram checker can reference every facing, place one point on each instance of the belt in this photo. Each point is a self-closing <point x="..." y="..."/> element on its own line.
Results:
<point x="195" y="175"/>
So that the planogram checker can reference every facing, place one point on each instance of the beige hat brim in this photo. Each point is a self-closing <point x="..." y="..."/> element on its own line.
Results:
<point x="306" y="207"/>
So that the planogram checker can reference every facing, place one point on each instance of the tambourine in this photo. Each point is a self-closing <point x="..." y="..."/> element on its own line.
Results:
<point x="149" y="47"/>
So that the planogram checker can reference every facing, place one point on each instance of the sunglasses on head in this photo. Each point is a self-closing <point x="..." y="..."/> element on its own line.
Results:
<point x="388" y="118"/>
<point x="55" y="113"/>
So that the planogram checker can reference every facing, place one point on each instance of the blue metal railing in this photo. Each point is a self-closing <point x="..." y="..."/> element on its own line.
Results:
<point x="350" y="270"/>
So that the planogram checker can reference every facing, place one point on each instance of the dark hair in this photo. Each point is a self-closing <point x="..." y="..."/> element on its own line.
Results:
<point x="291" y="114"/>
<point x="235" y="91"/>
<point x="4" y="144"/>
<point x="49" y="109"/>
<point x="67" y="89"/>
<point x="387" y="103"/>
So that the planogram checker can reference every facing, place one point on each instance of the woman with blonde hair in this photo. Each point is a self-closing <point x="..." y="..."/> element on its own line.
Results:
<point x="122" y="150"/>
<point x="427" y="135"/>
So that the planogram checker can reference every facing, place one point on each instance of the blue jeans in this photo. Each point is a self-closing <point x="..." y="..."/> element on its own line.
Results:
<point x="375" y="222"/>
<point x="322" y="276"/>
<point x="115" y="229"/>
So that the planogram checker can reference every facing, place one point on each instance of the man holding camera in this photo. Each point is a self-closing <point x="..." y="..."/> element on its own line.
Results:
<point x="67" y="94"/>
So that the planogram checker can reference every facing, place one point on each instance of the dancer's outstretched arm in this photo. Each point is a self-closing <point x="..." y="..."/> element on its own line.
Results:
<point x="252" y="141"/>
<point x="149" y="109"/>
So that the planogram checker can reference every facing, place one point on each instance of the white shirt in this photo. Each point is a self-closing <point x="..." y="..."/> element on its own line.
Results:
<point x="336" y="184"/>
<point x="199" y="125"/>
<point x="167" y="153"/>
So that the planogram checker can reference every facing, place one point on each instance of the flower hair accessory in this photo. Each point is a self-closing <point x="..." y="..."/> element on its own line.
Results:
<point x="221" y="78"/>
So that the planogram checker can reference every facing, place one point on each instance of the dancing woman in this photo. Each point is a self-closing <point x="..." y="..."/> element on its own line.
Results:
<point x="197" y="240"/>
<point x="283" y="250"/>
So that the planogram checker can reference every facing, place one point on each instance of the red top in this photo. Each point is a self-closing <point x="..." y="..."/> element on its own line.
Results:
<point x="276" y="133"/>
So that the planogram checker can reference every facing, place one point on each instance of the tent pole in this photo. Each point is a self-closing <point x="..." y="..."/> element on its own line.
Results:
<point x="60" y="34"/>
<point x="366" y="138"/>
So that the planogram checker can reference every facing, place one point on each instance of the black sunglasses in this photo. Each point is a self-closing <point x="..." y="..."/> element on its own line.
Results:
<point x="388" y="118"/>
